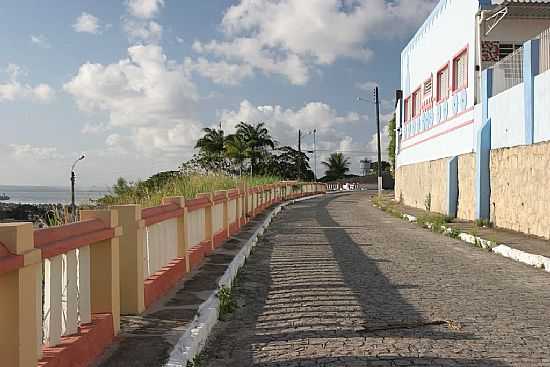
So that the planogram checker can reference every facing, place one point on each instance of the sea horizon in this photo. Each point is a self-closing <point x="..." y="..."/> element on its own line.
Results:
<point x="30" y="194"/>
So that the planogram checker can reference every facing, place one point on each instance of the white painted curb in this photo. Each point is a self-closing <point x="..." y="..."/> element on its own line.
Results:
<point x="192" y="342"/>
<point x="538" y="261"/>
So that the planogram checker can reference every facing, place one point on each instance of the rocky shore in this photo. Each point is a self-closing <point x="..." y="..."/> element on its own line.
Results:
<point x="35" y="213"/>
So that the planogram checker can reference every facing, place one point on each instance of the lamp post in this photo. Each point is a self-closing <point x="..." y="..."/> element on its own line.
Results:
<point x="377" y="103"/>
<point x="73" y="179"/>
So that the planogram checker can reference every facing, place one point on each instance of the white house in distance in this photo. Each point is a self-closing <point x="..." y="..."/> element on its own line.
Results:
<point x="475" y="102"/>
<point x="440" y="71"/>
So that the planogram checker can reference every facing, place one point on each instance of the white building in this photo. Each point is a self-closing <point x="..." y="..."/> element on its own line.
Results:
<point x="473" y="124"/>
<point x="441" y="71"/>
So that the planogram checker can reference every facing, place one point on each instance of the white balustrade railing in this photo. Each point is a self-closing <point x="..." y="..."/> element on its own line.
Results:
<point x="160" y="245"/>
<point x="217" y="217"/>
<point x="232" y="211"/>
<point x="195" y="227"/>
<point x="250" y="202"/>
<point x="64" y="288"/>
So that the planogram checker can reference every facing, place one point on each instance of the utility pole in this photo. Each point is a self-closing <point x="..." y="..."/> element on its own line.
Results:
<point x="315" y="152"/>
<point x="377" y="102"/>
<point x="299" y="154"/>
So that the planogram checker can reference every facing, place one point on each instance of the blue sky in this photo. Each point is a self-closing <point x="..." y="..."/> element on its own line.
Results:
<point x="132" y="82"/>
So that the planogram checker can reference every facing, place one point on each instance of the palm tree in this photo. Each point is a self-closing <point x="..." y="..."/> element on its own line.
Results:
<point x="237" y="149"/>
<point x="211" y="146"/>
<point x="337" y="166"/>
<point x="211" y="142"/>
<point x="257" y="139"/>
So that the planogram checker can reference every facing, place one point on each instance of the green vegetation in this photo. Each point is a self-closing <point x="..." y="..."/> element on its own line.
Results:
<point x="173" y="183"/>
<point x="250" y="150"/>
<point x="221" y="162"/>
<point x="337" y="166"/>
<point x="227" y="302"/>
<point x="198" y="361"/>
<point x="391" y="144"/>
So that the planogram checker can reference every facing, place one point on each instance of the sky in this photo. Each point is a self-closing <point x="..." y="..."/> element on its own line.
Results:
<point x="131" y="83"/>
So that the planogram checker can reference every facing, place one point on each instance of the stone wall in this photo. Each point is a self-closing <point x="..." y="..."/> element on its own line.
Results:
<point x="520" y="195"/>
<point x="415" y="182"/>
<point x="466" y="186"/>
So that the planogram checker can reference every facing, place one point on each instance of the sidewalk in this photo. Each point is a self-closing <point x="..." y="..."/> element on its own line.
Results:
<point x="524" y="248"/>
<point x="151" y="339"/>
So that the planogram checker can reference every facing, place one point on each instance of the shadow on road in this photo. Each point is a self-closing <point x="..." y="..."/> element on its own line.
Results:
<point x="330" y="292"/>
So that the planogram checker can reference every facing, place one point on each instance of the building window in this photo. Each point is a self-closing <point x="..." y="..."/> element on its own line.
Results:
<point x="460" y="71"/>
<point x="416" y="103"/>
<point x="427" y="92"/>
<point x="408" y="109"/>
<point x="443" y="84"/>
<point x="505" y="49"/>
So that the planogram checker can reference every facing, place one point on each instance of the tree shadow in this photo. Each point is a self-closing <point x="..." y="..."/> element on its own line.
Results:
<point x="328" y="293"/>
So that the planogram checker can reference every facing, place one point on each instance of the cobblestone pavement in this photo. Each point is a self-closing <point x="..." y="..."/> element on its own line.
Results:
<point x="336" y="282"/>
<point x="147" y="340"/>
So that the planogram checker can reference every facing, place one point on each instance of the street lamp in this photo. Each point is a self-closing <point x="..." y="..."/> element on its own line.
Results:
<point x="377" y="103"/>
<point x="73" y="205"/>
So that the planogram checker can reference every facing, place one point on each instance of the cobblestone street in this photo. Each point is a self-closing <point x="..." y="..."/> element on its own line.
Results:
<point x="337" y="282"/>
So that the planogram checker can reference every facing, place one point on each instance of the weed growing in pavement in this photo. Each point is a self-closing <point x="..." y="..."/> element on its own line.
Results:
<point x="453" y="233"/>
<point x="197" y="361"/>
<point x="227" y="303"/>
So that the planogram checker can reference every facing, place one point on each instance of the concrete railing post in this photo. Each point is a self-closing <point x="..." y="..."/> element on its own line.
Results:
<point x="208" y="232"/>
<point x="131" y="262"/>
<point x="20" y="299"/>
<point x="531" y="56"/>
<point x="226" y="214"/>
<point x="104" y="267"/>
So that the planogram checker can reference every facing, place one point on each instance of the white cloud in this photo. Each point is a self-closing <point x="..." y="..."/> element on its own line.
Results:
<point x="14" y="90"/>
<point x="367" y="86"/>
<point x="87" y="23"/>
<point x="95" y="128"/>
<point x="284" y="123"/>
<point x="40" y="40"/>
<point x="144" y="9"/>
<point x="151" y="96"/>
<point x="138" y="30"/>
<point x="219" y="72"/>
<point x="250" y="51"/>
<point x="27" y="151"/>
<point x="384" y="141"/>
<point x="290" y="37"/>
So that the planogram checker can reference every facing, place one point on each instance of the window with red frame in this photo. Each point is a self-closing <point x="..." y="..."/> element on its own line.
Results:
<point x="407" y="109"/>
<point x="427" y="93"/>
<point x="460" y="71"/>
<point x="416" y="103"/>
<point x="443" y="84"/>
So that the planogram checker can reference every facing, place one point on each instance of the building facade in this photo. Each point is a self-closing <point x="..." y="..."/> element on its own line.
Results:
<point x="475" y="80"/>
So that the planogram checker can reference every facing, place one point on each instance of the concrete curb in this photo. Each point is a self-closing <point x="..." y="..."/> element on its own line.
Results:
<point x="538" y="261"/>
<point x="192" y="342"/>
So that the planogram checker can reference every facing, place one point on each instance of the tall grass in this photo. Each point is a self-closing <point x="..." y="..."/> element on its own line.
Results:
<point x="186" y="186"/>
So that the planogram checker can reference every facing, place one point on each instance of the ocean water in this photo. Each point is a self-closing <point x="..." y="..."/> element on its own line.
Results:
<point x="49" y="194"/>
